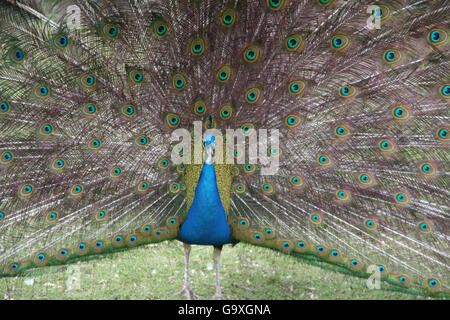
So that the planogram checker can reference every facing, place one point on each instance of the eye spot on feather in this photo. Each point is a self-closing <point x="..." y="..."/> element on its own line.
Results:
<point x="61" y="41"/>
<point x="95" y="144"/>
<point x="76" y="190"/>
<point x="100" y="215"/>
<point x="424" y="226"/>
<point x="160" y="28"/>
<point x="6" y="157"/>
<point x="58" y="164"/>
<point x="199" y="107"/>
<point x="366" y="179"/>
<point x="382" y="12"/>
<point x="294" y="42"/>
<point x="13" y="267"/>
<point x="427" y="169"/>
<point x="90" y="109"/>
<point x="174" y="187"/>
<point x="437" y="37"/>
<point x="136" y="76"/>
<point x="340" y="42"/>
<point x="110" y="31"/>
<point x="267" y="188"/>
<point x="253" y="95"/>
<point x="2" y="215"/>
<point x="386" y="145"/>
<point x="18" y="55"/>
<point x="142" y="140"/>
<point x="296" y="181"/>
<point x="297" y="87"/>
<point x="252" y="53"/>
<point x="178" y="81"/>
<point x="400" y="113"/>
<point x="143" y="186"/>
<point x="42" y="91"/>
<point x="343" y="195"/>
<point x="248" y="129"/>
<point x="392" y="56"/>
<point x="433" y="284"/>
<point x="224" y="73"/>
<point x="115" y="172"/>
<point x="334" y="253"/>
<point x="132" y="240"/>
<point x="325" y="3"/>
<point x="88" y="80"/>
<point x="315" y="218"/>
<point x="197" y="46"/>
<point x="402" y="198"/>
<point x="163" y="163"/>
<point x="26" y="191"/>
<point x="46" y="129"/>
<point x="445" y="91"/>
<point x="276" y="5"/>
<point x="146" y="229"/>
<point x="4" y="107"/>
<point x="370" y="224"/>
<point x="82" y="248"/>
<point x="118" y="240"/>
<point x="323" y="160"/>
<point x="172" y="120"/>
<point x="341" y="131"/>
<point x="292" y="121"/>
<point x="239" y="188"/>
<point x="347" y="92"/>
<point x="403" y="279"/>
<point x="442" y="134"/>
<point x="62" y="254"/>
<point x="228" y="17"/>
<point x="128" y="110"/>
<point x="226" y="112"/>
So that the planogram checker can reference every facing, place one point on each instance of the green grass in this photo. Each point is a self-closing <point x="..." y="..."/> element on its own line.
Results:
<point x="156" y="271"/>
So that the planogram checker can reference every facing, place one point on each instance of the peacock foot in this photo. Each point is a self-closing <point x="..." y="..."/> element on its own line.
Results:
<point x="188" y="293"/>
<point x="217" y="296"/>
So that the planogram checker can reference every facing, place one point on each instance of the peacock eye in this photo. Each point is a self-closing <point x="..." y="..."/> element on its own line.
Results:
<point x="340" y="42"/>
<point x="198" y="46"/>
<point x="442" y="134"/>
<point x="160" y="28"/>
<point x="437" y="37"/>
<point x="276" y="5"/>
<point x="17" y="55"/>
<point x="43" y="91"/>
<point x="228" y="17"/>
<point x="386" y="145"/>
<point x="110" y="31"/>
<point x="4" y="107"/>
<point x="392" y="56"/>
<point x="253" y="95"/>
<point x="445" y="90"/>
<point x="296" y="87"/>
<point x="252" y="53"/>
<point x="178" y="81"/>
<point x="224" y="73"/>
<point x="294" y="42"/>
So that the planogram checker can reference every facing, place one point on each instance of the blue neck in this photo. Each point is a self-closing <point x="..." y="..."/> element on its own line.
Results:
<point x="206" y="222"/>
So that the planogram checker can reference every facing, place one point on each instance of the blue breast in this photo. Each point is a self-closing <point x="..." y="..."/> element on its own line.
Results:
<point x="206" y="222"/>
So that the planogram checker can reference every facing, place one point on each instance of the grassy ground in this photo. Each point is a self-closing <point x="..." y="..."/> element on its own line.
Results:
<point x="157" y="272"/>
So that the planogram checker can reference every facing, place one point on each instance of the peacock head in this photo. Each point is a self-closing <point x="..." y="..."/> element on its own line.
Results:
<point x="209" y="143"/>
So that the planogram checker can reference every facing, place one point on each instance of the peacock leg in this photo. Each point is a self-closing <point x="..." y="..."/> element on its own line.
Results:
<point x="187" y="291"/>
<point x="216" y="256"/>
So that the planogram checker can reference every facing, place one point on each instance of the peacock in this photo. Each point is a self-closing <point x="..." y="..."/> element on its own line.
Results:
<point x="316" y="128"/>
